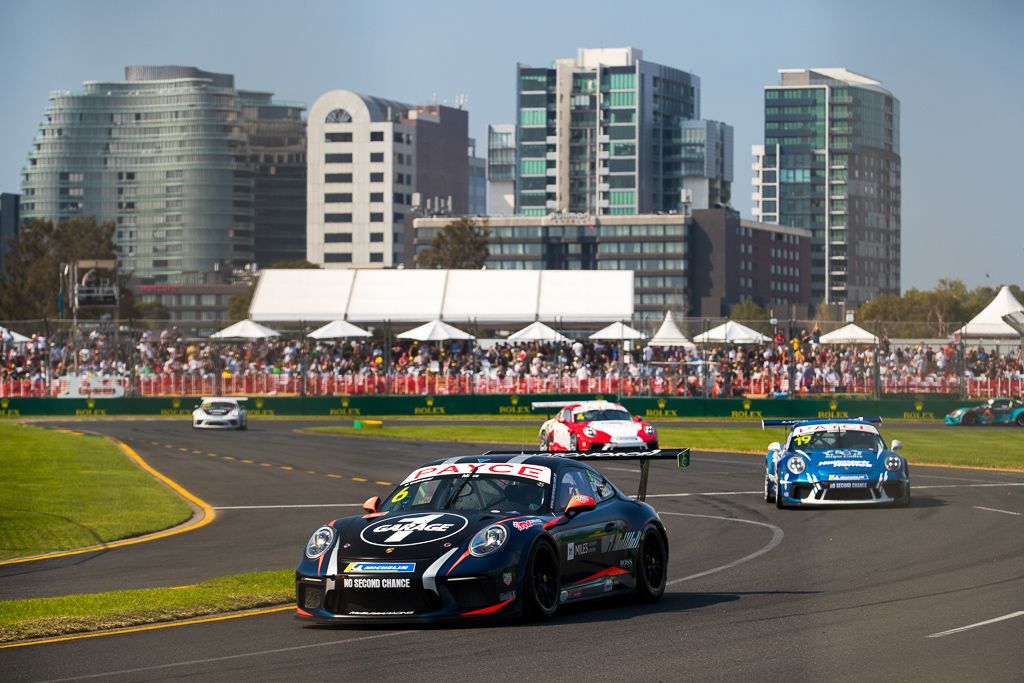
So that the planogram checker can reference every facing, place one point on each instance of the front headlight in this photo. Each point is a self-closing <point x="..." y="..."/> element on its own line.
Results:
<point x="649" y="429"/>
<point x="589" y="431"/>
<point x="319" y="542"/>
<point x="488" y="540"/>
<point x="796" y="465"/>
<point x="893" y="463"/>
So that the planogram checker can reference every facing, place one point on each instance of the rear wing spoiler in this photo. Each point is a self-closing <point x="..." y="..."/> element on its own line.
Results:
<point x="789" y="422"/>
<point x="680" y="455"/>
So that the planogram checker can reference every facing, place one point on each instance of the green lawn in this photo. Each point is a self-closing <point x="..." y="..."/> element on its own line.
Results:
<point x="41" y="617"/>
<point x="999" y="447"/>
<point x="61" y="490"/>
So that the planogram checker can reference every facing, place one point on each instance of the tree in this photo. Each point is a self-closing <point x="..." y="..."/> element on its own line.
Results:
<point x="460" y="244"/>
<point x="30" y="282"/>
<point x="749" y="310"/>
<point x="238" y="305"/>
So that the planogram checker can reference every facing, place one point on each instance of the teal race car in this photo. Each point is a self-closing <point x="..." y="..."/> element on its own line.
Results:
<point x="995" y="411"/>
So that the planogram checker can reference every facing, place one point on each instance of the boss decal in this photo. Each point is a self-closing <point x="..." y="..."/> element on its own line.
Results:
<point x="413" y="529"/>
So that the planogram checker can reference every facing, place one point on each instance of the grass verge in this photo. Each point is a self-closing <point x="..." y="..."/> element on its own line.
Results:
<point x="46" y="617"/>
<point x="993" y="447"/>
<point x="61" y="490"/>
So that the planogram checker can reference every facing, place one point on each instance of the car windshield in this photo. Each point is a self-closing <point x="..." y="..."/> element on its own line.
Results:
<point x="218" y="405"/>
<point x="596" y="414"/>
<point x="475" y="492"/>
<point x="825" y="440"/>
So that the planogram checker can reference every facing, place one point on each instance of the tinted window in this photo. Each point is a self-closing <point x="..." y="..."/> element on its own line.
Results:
<point x="571" y="482"/>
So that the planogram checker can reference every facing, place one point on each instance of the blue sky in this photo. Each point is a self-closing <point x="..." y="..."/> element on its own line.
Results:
<point x="956" y="68"/>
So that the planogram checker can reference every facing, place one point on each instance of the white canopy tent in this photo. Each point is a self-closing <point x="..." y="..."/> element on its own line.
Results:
<point x="435" y="330"/>
<point x="617" y="330"/>
<point x="338" y="329"/>
<point x="731" y="332"/>
<point x="15" y="337"/>
<point x="989" y="324"/>
<point x="458" y="296"/>
<point x="538" y="331"/>
<point x="669" y="334"/>
<point x="849" y="334"/>
<point x="245" y="329"/>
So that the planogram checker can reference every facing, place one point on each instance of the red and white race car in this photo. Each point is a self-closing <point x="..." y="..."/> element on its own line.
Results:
<point x="594" y="426"/>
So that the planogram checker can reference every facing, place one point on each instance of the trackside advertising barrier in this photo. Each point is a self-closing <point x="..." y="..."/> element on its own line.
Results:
<point x="907" y="407"/>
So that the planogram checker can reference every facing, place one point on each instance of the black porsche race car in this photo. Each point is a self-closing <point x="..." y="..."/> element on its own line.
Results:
<point x="490" y="535"/>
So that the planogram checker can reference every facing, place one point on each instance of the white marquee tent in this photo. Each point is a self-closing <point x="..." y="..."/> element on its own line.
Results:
<point x="538" y="331"/>
<point x="731" y="332"/>
<point x="15" y="337"/>
<point x="617" y="330"/>
<point x="245" y="329"/>
<point x="989" y="324"/>
<point x="338" y="329"/>
<point x="849" y="334"/>
<point x="435" y="330"/>
<point x="669" y="334"/>
<point x="458" y="296"/>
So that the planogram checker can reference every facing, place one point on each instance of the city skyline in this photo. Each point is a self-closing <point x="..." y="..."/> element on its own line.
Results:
<point x="952" y="67"/>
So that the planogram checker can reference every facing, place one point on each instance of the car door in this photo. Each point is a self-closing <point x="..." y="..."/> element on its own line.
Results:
<point x="579" y="538"/>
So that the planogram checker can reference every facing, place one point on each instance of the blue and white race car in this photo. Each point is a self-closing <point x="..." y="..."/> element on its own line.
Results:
<point x="834" y="462"/>
<point x="995" y="411"/>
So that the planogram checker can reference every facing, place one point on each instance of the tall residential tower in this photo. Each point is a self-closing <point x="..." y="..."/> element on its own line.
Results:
<point x="602" y="133"/>
<point x="830" y="163"/>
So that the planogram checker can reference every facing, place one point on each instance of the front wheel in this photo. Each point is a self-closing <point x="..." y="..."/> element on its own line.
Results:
<point x="652" y="565"/>
<point x="969" y="419"/>
<point x="769" y="495"/>
<point x="574" y="444"/>
<point x="541" y="582"/>
<point x="543" y="442"/>
<point x="1020" y="420"/>
<point x="778" y="497"/>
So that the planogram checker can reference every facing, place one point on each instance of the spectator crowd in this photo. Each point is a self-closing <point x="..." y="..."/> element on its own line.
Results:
<point x="799" y="365"/>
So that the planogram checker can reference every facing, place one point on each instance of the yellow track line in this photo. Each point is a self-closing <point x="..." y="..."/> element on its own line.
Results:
<point x="148" y="627"/>
<point x="205" y="508"/>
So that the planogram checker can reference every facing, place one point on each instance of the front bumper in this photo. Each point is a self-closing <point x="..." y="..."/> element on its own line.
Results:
<point x="216" y="422"/>
<point x="804" y="491"/>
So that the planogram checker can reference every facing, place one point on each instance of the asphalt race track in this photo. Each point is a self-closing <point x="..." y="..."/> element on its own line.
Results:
<point x="755" y="593"/>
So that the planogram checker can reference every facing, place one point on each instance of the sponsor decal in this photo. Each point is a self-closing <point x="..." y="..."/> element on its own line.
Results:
<point x="515" y="408"/>
<point x="504" y="469"/>
<point x="507" y="577"/>
<point x="524" y="524"/>
<point x="381" y="567"/>
<point x="661" y="412"/>
<point x="746" y="413"/>
<point x="845" y="484"/>
<point x="413" y="529"/>
<point x="5" y="412"/>
<point x="616" y="542"/>
<point x="580" y="548"/>
<point x="835" y="427"/>
<point x="919" y="413"/>
<point x="508" y="595"/>
<point x="832" y="414"/>
<point x="847" y="463"/>
<point x="847" y="477"/>
<point x="374" y="582"/>
<point x="430" y="408"/>
<point x="608" y="584"/>
<point x="626" y="564"/>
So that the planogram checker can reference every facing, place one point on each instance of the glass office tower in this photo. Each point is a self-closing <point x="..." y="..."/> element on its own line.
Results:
<point x="831" y="163"/>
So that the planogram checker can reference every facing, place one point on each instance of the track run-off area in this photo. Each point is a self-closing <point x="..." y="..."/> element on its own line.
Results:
<point x="933" y="591"/>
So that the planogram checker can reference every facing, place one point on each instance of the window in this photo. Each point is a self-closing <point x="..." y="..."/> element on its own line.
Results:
<point x="376" y="177"/>
<point x="376" y="258"/>
<point x="376" y="196"/>
<point x="376" y="157"/>
<point x="338" y="178"/>
<point x="572" y="482"/>
<point x="338" y="137"/>
<point x="345" y="158"/>
<point x="337" y="237"/>
<point x="337" y="218"/>
<point x="602" y="487"/>
<point x="332" y="197"/>
<point x="376" y="136"/>
<point x="376" y="237"/>
<point x="337" y="258"/>
<point x="376" y="218"/>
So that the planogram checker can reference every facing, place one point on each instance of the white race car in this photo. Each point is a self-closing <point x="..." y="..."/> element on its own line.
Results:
<point x="594" y="426"/>
<point x="218" y="412"/>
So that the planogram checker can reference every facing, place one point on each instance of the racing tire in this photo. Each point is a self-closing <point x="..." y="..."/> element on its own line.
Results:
<point x="543" y="445"/>
<point x="769" y="497"/>
<point x="778" y="497"/>
<point x="574" y="444"/>
<point x="969" y="420"/>
<point x="1020" y="420"/>
<point x="541" y="582"/>
<point x="651" y="565"/>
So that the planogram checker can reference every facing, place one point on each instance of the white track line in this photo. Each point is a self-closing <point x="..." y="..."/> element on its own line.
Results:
<point x="966" y="486"/>
<point x="1005" y="512"/>
<point x="211" y="660"/>
<point x="288" y="507"/>
<point x="777" y="535"/>
<point x="980" y="623"/>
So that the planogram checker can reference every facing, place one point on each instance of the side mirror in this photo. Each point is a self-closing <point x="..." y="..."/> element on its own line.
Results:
<point x="371" y="504"/>
<point x="636" y="418"/>
<point x="896" y="445"/>
<point x="580" y="503"/>
<point x="775" y="447"/>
